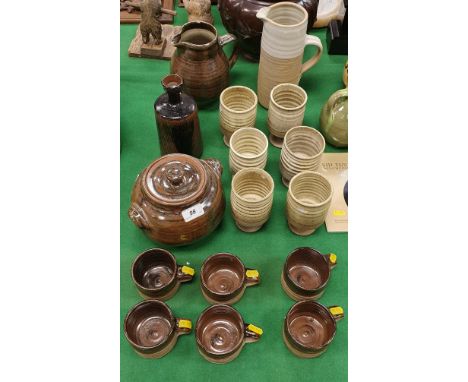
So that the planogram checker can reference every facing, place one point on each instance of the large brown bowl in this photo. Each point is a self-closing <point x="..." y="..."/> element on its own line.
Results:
<point x="157" y="275"/>
<point x="152" y="330"/>
<point x="221" y="333"/>
<point x="306" y="273"/>
<point x="224" y="278"/>
<point x="178" y="199"/>
<point x="309" y="327"/>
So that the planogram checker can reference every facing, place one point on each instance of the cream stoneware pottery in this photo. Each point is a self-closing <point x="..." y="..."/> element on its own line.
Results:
<point x="287" y="107"/>
<point x="251" y="198"/>
<point x="307" y="202"/>
<point x="302" y="150"/>
<point x="237" y="109"/>
<point x="248" y="149"/>
<point x="282" y="48"/>
<point x="328" y="10"/>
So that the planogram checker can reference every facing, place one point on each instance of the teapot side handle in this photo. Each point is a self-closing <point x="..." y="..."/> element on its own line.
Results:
<point x="216" y="165"/>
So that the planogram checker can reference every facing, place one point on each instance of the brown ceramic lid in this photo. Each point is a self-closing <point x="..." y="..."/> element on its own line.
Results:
<point x="175" y="180"/>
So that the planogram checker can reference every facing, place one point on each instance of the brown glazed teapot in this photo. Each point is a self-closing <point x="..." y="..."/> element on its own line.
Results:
<point x="239" y="17"/>
<point x="178" y="199"/>
<point x="201" y="62"/>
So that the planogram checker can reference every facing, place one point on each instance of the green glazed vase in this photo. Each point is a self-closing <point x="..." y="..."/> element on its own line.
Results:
<point x="334" y="119"/>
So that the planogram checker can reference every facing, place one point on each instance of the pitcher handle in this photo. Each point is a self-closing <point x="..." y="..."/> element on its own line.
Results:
<point x="226" y="39"/>
<point x="312" y="40"/>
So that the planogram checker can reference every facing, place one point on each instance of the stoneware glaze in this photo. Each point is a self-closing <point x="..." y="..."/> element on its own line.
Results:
<point x="334" y="119"/>
<point x="200" y="60"/>
<point x="178" y="199"/>
<point x="248" y="149"/>
<point x="224" y="278"/>
<point x="302" y="150"/>
<point x="283" y="40"/>
<point x="152" y="330"/>
<point x="287" y="108"/>
<point x="239" y="18"/>
<point x="156" y="274"/>
<point x="237" y="109"/>
<point x="177" y="120"/>
<point x="221" y="333"/>
<point x="309" y="328"/>
<point x="306" y="273"/>
<point x="251" y="198"/>
<point x="307" y="202"/>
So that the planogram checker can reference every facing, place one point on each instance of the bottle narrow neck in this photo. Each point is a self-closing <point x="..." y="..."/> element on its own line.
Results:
<point x="174" y="96"/>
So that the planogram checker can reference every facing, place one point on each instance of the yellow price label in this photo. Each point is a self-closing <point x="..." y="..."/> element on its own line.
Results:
<point x="188" y="270"/>
<point x="337" y="311"/>
<point x="186" y="324"/>
<point x="339" y="212"/>
<point x="332" y="258"/>
<point x="252" y="273"/>
<point x="255" y="329"/>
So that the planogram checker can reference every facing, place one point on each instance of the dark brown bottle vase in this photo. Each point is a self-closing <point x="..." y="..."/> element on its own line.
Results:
<point x="177" y="120"/>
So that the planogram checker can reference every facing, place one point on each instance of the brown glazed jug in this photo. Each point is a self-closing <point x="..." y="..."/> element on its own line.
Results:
<point x="200" y="60"/>
<point x="178" y="199"/>
<point x="239" y="17"/>
<point x="177" y="120"/>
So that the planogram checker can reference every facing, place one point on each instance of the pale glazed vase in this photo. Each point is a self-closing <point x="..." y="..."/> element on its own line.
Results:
<point x="308" y="201"/>
<point x="302" y="150"/>
<point x="282" y="48"/>
<point x="334" y="119"/>
<point x="287" y="107"/>
<point x="251" y="198"/>
<point x="237" y="109"/>
<point x="248" y="149"/>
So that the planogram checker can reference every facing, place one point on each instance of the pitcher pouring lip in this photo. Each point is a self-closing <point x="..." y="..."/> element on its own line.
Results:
<point x="176" y="39"/>
<point x="263" y="13"/>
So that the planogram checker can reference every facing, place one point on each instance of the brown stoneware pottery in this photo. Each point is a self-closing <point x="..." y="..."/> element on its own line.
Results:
<point x="201" y="62"/>
<point x="152" y="329"/>
<point x="177" y="120"/>
<point x="306" y="273"/>
<point x="309" y="327"/>
<point x="239" y="18"/>
<point x="178" y="199"/>
<point x="157" y="275"/>
<point x="224" y="278"/>
<point x="221" y="333"/>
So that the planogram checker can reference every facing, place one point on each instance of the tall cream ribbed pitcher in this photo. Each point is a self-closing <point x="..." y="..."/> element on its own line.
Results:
<point x="284" y="37"/>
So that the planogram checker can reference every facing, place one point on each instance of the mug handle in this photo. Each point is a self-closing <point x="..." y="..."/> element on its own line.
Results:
<point x="226" y="39"/>
<point x="252" y="276"/>
<point x="183" y="325"/>
<point x="312" y="40"/>
<point x="337" y="312"/>
<point x="185" y="273"/>
<point x="252" y="333"/>
<point x="332" y="260"/>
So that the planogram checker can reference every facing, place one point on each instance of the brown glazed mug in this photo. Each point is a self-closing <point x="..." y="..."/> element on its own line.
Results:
<point x="306" y="273"/>
<point x="157" y="275"/>
<point x="152" y="330"/>
<point x="221" y="333"/>
<point x="309" y="327"/>
<point x="224" y="278"/>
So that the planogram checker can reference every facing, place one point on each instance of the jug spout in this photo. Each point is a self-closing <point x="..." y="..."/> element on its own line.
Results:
<point x="262" y="14"/>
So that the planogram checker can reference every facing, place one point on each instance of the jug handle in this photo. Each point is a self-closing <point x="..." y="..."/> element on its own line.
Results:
<point x="226" y="39"/>
<point x="312" y="40"/>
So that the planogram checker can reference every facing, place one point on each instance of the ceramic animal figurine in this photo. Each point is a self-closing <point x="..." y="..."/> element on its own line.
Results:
<point x="199" y="10"/>
<point x="151" y="10"/>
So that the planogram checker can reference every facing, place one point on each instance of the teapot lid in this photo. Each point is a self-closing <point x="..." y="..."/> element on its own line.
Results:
<point x="175" y="180"/>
